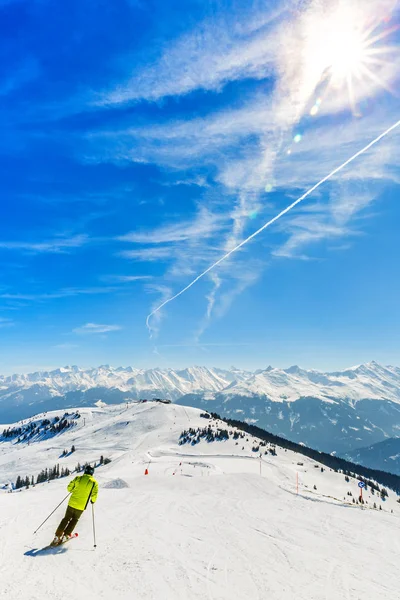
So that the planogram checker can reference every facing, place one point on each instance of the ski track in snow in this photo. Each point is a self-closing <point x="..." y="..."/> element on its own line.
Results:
<point x="215" y="530"/>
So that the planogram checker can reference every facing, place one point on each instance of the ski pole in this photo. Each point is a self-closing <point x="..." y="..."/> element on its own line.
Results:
<point x="51" y="514"/>
<point x="94" y="529"/>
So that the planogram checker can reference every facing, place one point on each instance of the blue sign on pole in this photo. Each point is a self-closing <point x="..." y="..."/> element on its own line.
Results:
<point x="361" y="484"/>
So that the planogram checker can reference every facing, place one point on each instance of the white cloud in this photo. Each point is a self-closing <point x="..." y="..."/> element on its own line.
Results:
<point x="333" y="220"/>
<point x="94" y="328"/>
<point x="237" y="46"/>
<point x="126" y="278"/>
<point x="251" y="148"/>
<point x="63" y="293"/>
<point x="57" y="245"/>
<point x="204" y="225"/>
<point x="149" y="254"/>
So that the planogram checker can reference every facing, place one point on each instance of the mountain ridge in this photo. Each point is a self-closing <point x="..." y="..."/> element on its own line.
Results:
<point x="338" y="411"/>
<point x="366" y="381"/>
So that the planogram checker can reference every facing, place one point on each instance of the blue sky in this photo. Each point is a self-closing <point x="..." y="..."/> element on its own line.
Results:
<point x="142" y="142"/>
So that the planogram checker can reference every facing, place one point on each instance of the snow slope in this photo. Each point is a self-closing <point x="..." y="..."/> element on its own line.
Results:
<point x="203" y="524"/>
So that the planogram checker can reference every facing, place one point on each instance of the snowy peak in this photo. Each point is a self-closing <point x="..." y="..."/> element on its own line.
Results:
<point x="22" y="392"/>
<point x="370" y="381"/>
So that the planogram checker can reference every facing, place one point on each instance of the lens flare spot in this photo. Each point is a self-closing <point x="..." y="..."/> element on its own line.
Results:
<point x="297" y="138"/>
<point x="269" y="187"/>
<point x="253" y="214"/>
<point x="314" y="110"/>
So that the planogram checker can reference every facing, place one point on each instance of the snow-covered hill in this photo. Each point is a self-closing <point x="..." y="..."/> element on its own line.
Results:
<point x="210" y="520"/>
<point x="337" y="412"/>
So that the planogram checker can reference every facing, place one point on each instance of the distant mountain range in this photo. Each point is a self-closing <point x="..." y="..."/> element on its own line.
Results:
<point x="333" y="412"/>
<point x="383" y="455"/>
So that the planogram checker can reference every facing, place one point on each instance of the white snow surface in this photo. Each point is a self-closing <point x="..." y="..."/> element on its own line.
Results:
<point x="203" y="524"/>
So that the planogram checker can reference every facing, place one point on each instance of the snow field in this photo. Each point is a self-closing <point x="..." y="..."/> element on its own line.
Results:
<point x="215" y="530"/>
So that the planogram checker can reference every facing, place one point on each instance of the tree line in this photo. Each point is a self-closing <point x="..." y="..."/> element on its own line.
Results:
<point x="54" y="473"/>
<point x="40" y="428"/>
<point x="335" y="463"/>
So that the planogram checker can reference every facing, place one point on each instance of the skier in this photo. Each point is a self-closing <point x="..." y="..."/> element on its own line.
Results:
<point x="84" y="488"/>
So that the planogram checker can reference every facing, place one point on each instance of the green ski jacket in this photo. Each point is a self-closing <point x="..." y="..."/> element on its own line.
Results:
<point x="83" y="488"/>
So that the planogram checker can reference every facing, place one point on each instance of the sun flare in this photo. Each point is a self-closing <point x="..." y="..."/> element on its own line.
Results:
<point x="344" y="50"/>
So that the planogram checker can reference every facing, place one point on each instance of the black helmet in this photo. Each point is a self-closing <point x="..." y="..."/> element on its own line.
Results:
<point x="89" y="470"/>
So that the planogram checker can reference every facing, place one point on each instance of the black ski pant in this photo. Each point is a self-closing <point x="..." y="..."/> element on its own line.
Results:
<point x="69" y="522"/>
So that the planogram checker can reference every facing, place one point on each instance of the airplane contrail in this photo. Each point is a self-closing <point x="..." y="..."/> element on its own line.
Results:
<point x="283" y="212"/>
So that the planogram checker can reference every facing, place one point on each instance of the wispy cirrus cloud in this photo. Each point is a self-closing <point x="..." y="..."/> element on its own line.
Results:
<point x="181" y="245"/>
<point x="62" y="293"/>
<point x="54" y="246"/>
<point x="95" y="328"/>
<point x="149" y="254"/>
<point x="205" y="225"/>
<point x="279" y="140"/>
<point x="126" y="278"/>
<point x="233" y="47"/>
<point x="337" y="219"/>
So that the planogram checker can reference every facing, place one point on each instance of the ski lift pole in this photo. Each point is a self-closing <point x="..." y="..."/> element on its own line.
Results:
<point x="51" y="514"/>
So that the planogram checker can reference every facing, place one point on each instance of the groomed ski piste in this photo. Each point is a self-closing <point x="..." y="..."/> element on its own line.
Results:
<point x="209" y="521"/>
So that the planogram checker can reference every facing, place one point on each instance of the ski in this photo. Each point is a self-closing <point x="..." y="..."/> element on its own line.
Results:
<point x="74" y="535"/>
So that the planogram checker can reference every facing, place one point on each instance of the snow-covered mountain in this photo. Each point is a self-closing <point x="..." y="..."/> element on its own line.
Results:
<point x="210" y="520"/>
<point x="337" y="411"/>
<point x="168" y="382"/>
<point x="384" y="456"/>
<point x="22" y="395"/>
<point x="369" y="381"/>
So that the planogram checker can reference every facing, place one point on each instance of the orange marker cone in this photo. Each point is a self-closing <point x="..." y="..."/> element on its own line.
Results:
<point x="146" y="472"/>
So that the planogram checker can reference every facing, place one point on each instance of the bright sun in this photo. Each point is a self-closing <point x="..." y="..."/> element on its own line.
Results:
<point x="345" y="55"/>
<point x="343" y="50"/>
